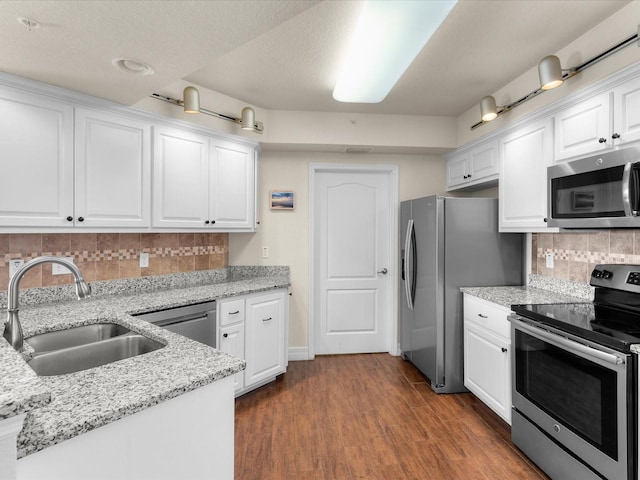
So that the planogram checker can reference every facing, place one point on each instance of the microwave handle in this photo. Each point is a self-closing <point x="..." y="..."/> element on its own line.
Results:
<point x="631" y="189"/>
<point x="626" y="189"/>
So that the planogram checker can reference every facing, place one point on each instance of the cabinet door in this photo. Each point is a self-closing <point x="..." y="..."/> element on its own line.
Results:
<point x="487" y="368"/>
<point x="627" y="112"/>
<point x="583" y="128"/>
<point x="112" y="170"/>
<point x="232" y="180"/>
<point x="265" y="337"/>
<point x="180" y="179"/>
<point x="457" y="170"/>
<point x="231" y="341"/>
<point x="524" y="157"/>
<point x="37" y="160"/>
<point x="483" y="161"/>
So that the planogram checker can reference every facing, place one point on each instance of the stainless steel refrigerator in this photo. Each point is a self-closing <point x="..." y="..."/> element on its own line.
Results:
<point x="448" y="243"/>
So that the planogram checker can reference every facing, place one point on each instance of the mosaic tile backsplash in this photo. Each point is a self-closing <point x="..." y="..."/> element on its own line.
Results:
<point x="112" y="256"/>
<point x="576" y="254"/>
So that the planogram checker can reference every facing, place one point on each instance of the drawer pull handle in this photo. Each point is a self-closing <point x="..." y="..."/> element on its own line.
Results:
<point x="267" y="319"/>
<point x="504" y="350"/>
<point x="234" y="313"/>
<point x="482" y="316"/>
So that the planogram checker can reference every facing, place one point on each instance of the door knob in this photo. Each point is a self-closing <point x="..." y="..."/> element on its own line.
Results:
<point x="383" y="271"/>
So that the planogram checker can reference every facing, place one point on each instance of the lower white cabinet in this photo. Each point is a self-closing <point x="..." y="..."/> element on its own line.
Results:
<point x="254" y="327"/>
<point x="487" y="354"/>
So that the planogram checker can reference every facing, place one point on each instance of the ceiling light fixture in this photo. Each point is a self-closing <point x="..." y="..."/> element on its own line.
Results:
<point x="136" y="67"/>
<point x="551" y="75"/>
<point x="191" y="104"/>
<point x="388" y="36"/>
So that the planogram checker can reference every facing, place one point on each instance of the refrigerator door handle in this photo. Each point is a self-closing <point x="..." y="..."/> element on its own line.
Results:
<point x="409" y="264"/>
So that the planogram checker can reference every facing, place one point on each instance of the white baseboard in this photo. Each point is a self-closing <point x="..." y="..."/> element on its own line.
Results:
<point x="298" y="353"/>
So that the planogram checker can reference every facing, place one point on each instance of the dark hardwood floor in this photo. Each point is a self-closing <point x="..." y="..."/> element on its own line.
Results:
<point x="369" y="417"/>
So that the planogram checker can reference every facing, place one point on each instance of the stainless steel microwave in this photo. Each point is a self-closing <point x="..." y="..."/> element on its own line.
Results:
<point x="596" y="192"/>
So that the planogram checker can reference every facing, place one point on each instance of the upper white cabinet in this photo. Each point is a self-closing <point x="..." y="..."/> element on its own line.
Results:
<point x="473" y="168"/>
<point x="583" y="128"/>
<point x="601" y="122"/>
<point x="112" y="170"/>
<point x="202" y="182"/>
<point x="232" y="179"/>
<point x="37" y="160"/>
<point x="525" y="155"/>
<point x="180" y="179"/>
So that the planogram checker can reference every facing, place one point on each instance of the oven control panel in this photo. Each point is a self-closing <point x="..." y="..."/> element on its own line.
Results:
<point x="618" y="276"/>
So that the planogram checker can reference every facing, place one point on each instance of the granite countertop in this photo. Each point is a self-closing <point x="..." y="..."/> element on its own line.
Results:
<point x="507" y="296"/>
<point x="61" y="407"/>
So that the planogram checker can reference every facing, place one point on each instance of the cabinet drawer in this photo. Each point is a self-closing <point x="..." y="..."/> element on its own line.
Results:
<point x="231" y="311"/>
<point x="491" y="316"/>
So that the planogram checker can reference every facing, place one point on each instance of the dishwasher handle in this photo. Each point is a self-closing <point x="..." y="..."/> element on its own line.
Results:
<point x="182" y="319"/>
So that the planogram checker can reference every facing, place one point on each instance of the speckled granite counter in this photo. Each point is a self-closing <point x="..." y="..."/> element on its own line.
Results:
<point x="61" y="407"/>
<point x="507" y="296"/>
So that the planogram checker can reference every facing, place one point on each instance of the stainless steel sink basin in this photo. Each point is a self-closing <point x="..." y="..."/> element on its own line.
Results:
<point x="73" y="337"/>
<point x="90" y="355"/>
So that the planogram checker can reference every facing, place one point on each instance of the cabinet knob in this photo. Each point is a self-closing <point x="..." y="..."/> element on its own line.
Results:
<point x="206" y="222"/>
<point x="545" y="220"/>
<point x="504" y="350"/>
<point x="225" y="335"/>
<point x="602" y="140"/>
<point x="465" y="176"/>
<point x="212" y="222"/>
<point x="81" y="219"/>
<point x="69" y="218"/>
<point x="615" y="135"/>
<point x="469" y="176"/>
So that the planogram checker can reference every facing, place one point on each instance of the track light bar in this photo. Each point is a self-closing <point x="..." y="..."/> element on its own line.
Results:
<point x="551" y="76"/>
<point x="191" y="104"/>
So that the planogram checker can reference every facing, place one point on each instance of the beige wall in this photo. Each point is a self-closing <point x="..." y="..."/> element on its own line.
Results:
<point x="286" y="233"/>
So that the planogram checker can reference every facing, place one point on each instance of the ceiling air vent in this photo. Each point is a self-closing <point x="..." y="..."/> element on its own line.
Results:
<point x="359" y="149"/>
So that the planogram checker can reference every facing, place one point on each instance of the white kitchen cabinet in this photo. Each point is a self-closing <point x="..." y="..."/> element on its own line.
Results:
<point x="476" y="167"/>
<point x="601" y="122"/>
<point x="37" y="160"/>
<point x="487" y="356"/>
<point x="112" y="170"/>
<point x="180" y="179"/>
<point x="583" y="128"/>
<point x="265" y="336"/>
<point x="200" y="182"/>
<point x="254" y="327"/>
<point x="525" y="155"/>
<point x="232" y="180"/>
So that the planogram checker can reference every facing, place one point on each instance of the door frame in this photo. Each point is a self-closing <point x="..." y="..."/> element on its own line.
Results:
<point x="392" y="341"/>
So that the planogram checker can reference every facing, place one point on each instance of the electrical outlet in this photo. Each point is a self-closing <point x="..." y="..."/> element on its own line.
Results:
<point x="144" y="259"/>
<point x="14" y="265"/>
<point x="265" y="252"/>
<point x="549" y="258"/>
<point x="57" y="269"/>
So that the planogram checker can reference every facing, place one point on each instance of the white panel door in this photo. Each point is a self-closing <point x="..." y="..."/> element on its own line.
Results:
<point x="232" y="182"/>
<point x="231" y="341"/>
<point x="112" y="170"/>
<point x="627" y="112"/>
<point x="180" y="179"/>
<point x="36" y="160"/>
<point x="352" y="257"/>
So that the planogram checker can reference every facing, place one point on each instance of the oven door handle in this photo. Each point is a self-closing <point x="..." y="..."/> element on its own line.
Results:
<point x="569" y="345"/>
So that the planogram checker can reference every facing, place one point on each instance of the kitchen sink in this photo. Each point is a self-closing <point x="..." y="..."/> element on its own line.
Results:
<point x="72" y="337"/>
<point x="90" y="355"/>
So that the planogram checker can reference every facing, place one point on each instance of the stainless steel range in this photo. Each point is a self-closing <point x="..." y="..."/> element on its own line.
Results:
<point x="575" y="388"/>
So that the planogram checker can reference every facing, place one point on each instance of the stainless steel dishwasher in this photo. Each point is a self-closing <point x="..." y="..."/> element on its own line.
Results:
<point x="197" y="322"/>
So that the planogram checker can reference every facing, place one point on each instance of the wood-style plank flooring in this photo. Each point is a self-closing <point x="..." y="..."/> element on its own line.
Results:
<point x="369" y="417"/>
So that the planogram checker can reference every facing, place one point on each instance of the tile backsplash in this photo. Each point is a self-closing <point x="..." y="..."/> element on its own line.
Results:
<point x="576" y="253"/>
<point x="111" y="256"/>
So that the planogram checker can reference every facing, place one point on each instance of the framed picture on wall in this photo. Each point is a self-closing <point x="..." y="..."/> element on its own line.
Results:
<point x="281" y="200"/>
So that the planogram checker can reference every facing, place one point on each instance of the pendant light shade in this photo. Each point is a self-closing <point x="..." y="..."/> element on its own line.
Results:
<point x="488" y="108"/>
<point x="248" y="118"/>
<point x="191" y="100"/>
<point x="550" y="72"/>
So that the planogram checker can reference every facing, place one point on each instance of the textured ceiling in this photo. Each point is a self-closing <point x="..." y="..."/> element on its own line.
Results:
<point x="282" y="55"/>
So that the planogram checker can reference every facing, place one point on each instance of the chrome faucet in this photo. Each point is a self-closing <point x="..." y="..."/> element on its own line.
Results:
<point x="13" y="329"/>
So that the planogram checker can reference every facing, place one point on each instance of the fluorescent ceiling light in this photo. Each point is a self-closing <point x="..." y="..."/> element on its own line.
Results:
<point x="389" y="35"/>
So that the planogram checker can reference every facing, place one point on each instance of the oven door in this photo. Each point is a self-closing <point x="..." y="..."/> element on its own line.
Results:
<point x="578" y="395"/>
